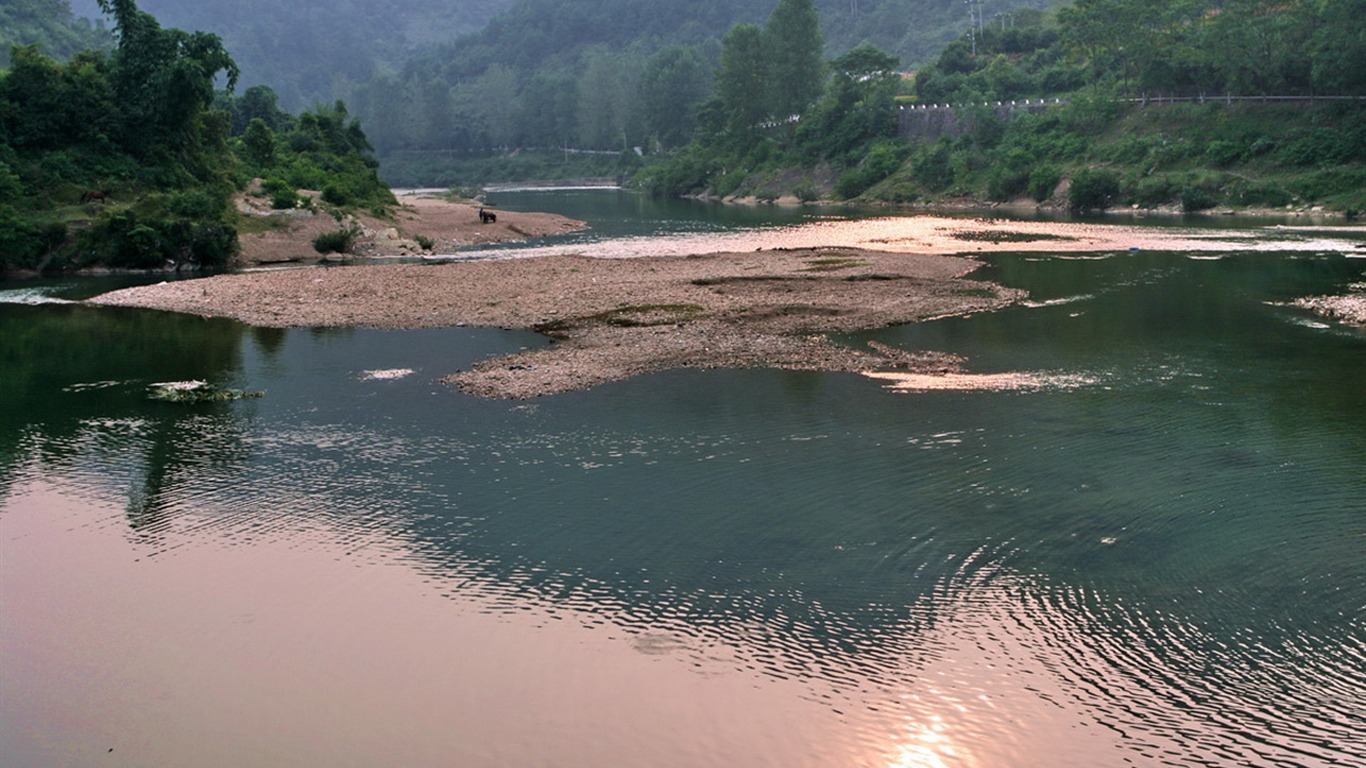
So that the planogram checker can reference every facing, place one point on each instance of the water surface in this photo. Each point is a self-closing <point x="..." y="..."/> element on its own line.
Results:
<point x="1151" y="556"/>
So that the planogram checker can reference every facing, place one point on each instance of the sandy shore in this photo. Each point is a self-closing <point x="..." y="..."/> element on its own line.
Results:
<point x="288" y="236"/>
<point x="614" y="318"/>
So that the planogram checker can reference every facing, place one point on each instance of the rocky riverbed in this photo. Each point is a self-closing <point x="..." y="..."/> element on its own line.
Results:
<point x="616" y="318"/>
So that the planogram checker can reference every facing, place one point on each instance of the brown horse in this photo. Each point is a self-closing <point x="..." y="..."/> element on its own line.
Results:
<point x="487" y="216"/>
<point x="92" y="196"/>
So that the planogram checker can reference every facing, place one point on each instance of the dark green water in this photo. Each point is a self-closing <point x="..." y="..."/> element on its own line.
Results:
<point x="1160" y="560"/>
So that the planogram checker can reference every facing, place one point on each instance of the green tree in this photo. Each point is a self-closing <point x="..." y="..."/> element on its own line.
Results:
<point x="47" y="105"/>
<point x="50" y="25"/>
<point x="164" y="80"/>
<point x="607" y="104"/>
<point x="1092" y="189"/>
<point x="548" y="112"/>
<point x="257" y="102"/>
<point x="794" y="52"/>
<point x="259" y="143"/>
<point x="858" y="105"/>
<point x="742" y="81"/>
<point x="1338" y="47"/>
<point x="496" y="102"/>
<point x="674" y="83"/>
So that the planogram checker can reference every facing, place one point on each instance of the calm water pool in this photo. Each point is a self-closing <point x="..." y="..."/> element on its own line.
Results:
<point x="1157" y="556"/>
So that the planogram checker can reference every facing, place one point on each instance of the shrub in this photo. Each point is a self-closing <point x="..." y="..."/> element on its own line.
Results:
<point x="1131" y="150"/>
<point x="934" y="168"/>
<point x="1266" y="194"/>
<point x="1223" y="153"/>
<point x="1089" y="114"/>
<point x="336" y="241"/>
<point x="1092" y="189"/>
<point x="883" y="159"/>
<point x="1323" y="147"/>
<point x="20" y="245"/>
<point x="1003" y="183"/>
<point x="284" y="200"/>
<point x="303" y="173"/>
<point x="1169" y="152"/>
<point x="1261" y="146"/>
<point x="337" y="194"/>
<point x="426" y="243"/>
<point x="272" y="184"/>
<point x="730" y="182"/>
<point x="195" y="204"/>
<point x="213" y="245"/>
<point x="1008" y="176"/>
<point x="124" y="240"/>
<point x="1196" y="199"/>
<point x="11" y="187"/>
<point x="1346" y="185"/>
<point x="1153" y="191"/>
<point x="1043" y="180"/>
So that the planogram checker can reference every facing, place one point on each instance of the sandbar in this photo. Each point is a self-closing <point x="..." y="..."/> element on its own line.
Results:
<point x="611" y="319"/>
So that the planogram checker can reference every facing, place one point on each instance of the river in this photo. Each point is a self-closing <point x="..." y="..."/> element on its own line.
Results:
<point x="1156" y="555"/>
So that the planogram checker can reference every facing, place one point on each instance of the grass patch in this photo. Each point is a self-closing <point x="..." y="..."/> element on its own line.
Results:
<point x="645" y="315"/>
<point x="634" y="316"/>
<point x="259" y="225"/>
<point x="831" y="264"/>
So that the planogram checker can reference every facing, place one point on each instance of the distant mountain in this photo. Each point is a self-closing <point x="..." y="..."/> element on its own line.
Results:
<point x="574" y="73"/>
<point x="473" y="75"/>
<point x="534" y="31"/>
<point x="316" y="50"/>
<point x="50" y="25"/>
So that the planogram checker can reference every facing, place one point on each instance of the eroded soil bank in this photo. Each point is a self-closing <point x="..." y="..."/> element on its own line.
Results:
<point x="616" y="318"/>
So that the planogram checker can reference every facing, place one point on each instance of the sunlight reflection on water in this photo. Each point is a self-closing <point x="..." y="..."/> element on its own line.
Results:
<point x="936" y="234"/>
<point x="981" y="664"/>
<point x="995" y="382"/>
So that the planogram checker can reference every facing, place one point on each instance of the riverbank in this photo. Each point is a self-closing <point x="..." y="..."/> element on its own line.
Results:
<point x="423" y="222"/>
<point x="612" y="318"/>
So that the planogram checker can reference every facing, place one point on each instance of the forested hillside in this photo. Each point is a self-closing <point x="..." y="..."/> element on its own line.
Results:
<point x="1109" y="60"/>
<point x="775" y="97"/>
<point x="581" y="73"/>
<point x="477" y="74"/>
<point x="131" y="159"/>
<point x="312" y="51"/>
<point x="50" y="25"/>
<point x="1104" y="139"/>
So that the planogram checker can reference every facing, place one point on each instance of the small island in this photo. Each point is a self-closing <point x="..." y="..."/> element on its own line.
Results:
<point x="611" y="319"/>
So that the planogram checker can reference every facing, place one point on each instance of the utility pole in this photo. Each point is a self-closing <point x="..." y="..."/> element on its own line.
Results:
<point x="974" y="22"/>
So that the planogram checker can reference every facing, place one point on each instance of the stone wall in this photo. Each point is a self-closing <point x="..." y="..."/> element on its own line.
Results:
<point x="930" y="122"/>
